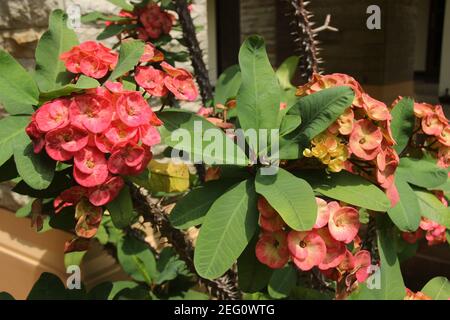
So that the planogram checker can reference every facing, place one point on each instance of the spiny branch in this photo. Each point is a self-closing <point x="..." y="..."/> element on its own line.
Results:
<point x="223" y="288"/>
<point x="190" y="38"/>
<point x="305" y="36"/>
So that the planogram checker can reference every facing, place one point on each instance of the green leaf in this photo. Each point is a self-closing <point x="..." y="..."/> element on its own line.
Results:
<point x="60" y="182"/>
<point x="253" y="275"/>
<point x="228" y="227"/>
<point x="48" y="287"/>
<point x="96" y="15"/>
<point x="192" y="208"/>
<point x="6" y="296"/>
<point x="228" y="84"/>
<point x="24" y="211"/>
<point x="109" y="290"/>
<point x="286" y="72"/>
<point x="258" y="100"/>
<point x="319" y="110"/>
<point x="289" y="123"/>
<point x="112" y="30"/>
<point x="431" y="208"/>
<point x="59" y="38"/>
<point x="74" y="258"/>
<point x="169" y="266"/>
<point x="391" y="286"/>
<point x="406" y="213"/>
<point x="292" y="197"/>
<point x="421" y="173"/>
<point x="18" y="90"/>
<point x="130" y="53"/>
<point x="82" y="84"/>
<point x="37" y="170"/>
<point x="437" y="288"/>
<point x="199" y="138"/>
<point x="124" y="4"/>
<point x="349" y="188"/>
<point x="11" y="128"/>
<point x="121" y="209"/>
<point x="403" y="121"/>
<point x="282" y="282"/>
<point x="137" y="259"/>
<point x="8" y="170"/>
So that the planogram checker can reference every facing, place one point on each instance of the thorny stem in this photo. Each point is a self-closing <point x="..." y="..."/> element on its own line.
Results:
<point x="223" y="288"/>
<point x="190" y="38"/>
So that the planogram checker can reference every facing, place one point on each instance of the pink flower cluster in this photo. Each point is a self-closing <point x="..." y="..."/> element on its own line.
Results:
<point x="155" y="22"/>
<point x="364" y="129"/>
<point x="434" y="124"/>
<point x="105" y="132"/>
<point x="159" y="82"/>
<point x="324" y="247"/>
<point x="91" y="59"/>
<point x="434" y="232"/>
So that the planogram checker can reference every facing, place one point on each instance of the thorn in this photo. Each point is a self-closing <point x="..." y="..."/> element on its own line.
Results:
<point x="326" y="26"/>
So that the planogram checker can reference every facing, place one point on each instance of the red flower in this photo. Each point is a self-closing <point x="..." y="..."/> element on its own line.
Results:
<point x="180" y="83"/>
<point x="120" y="133"/>
<point x="90" y="58"/>
<point x="90" y="167"/>
<point x="149" y="135"/>
<point x="156" y="22"/>
<point x="151" y="54"/>
<point x="69" y="197"/>
<point x="307" y="249"/>
<point x="271" y="250"/>
<point x="106" y="192"/>
<point x="62" y="143"/>
<point x="133" y="110"/>
<point x="130" y="159"/>
<point x="92" y="112"/>
<point x="152" y="80"/>
<point x="52" y="115"/>
<point x="36" y="135"/>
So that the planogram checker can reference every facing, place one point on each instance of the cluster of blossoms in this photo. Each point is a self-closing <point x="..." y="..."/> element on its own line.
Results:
<point x="432" y="132"/>
<point x="360" y="141"/>
<point x="91" y="59"/>
<point x="159" y="82"/>
<point x="324" y="247"/>
<point x="94" y="60"/>
<point x="152" y="22"/>
<point x="433" y="124"/>
<point x="106" y="133"/>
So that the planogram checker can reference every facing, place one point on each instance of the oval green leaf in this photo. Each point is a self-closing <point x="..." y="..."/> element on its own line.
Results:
<point x="227" y="229"/>
<point x="292" y="197"/>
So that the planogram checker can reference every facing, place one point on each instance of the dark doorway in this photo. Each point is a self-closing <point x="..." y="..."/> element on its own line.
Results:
<point x="228" y="33"/>
<point x="435" y="34"/>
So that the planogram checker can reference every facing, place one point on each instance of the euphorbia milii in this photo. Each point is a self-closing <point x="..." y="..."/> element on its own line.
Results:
<point x="53" y="115"/>
<point x="307" y="249"/>
<point x="343" y="223"/>
<point x="272" y="249"/>
<point x="365" y="140"/>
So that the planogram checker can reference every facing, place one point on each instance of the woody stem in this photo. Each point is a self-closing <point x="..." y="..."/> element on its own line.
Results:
<point x="190" y="38"/>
